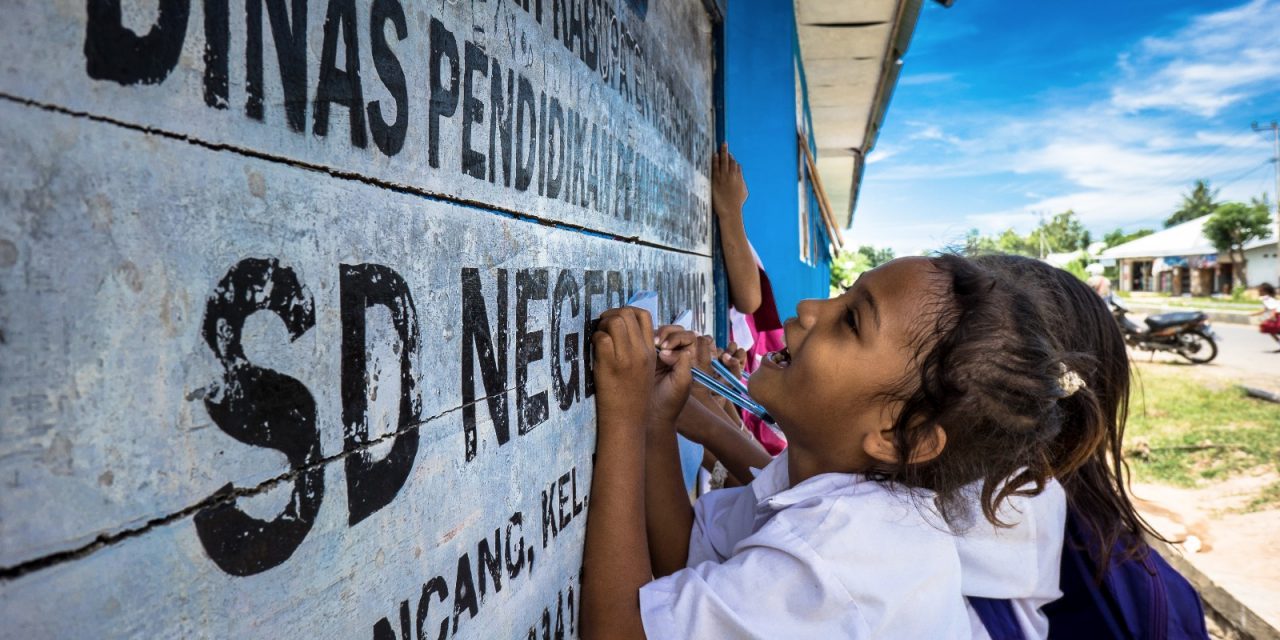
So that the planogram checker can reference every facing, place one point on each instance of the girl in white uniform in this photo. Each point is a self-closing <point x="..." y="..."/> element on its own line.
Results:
<point x="919" y="402"/>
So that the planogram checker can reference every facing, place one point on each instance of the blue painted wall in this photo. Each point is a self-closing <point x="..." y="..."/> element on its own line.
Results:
<point x="760" y="125"/>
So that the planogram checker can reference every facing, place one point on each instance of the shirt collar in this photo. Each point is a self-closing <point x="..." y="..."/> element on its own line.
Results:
<point x="773" y="491"/>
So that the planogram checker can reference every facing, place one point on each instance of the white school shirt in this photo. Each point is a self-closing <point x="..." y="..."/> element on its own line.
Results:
<point x="836" y="556"/>
<point x="1020" y="563"/>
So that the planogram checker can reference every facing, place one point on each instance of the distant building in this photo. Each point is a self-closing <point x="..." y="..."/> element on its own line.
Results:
<point x="1062" y="259"/>
<point x="1181" y="260"/>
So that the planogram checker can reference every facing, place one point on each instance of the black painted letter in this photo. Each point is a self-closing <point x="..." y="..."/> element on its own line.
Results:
<point x="263" y="408"/>
<point x="340" y="86"/>
<point x="475" y="61"/>
<point x="566" y="390"/>
<point x="444" y="100"/>
<point x="478" y="342"/>
<point x="531" y="410"/>
<point x="113" y="52"/>
<point x="291" y="54"/>
<point x="372" y="485"/>
<point x="389" y="138"/>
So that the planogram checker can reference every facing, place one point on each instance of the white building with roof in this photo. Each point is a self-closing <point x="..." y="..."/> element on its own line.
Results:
<point x="1181" y="260"/>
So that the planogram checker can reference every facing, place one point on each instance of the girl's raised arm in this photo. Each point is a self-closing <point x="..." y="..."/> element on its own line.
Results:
<point x="616" y="555"/>
<point x="630" y="400"/>
<point x="668" y="512"/>
<point x="728" y="193"/>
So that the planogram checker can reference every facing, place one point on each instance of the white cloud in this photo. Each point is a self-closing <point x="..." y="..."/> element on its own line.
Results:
<point x="1120" y="155"/>
<point x="1217" y="60"/>
<point x="882" y="153"/>
<point x="925" y="78"/>
<point x="934" y="132"/>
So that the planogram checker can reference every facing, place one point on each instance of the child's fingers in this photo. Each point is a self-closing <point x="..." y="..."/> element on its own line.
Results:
<point x="642" y="324"/>
<point x="601" y="345"/>
<point x="681" y="369"/>
<point x="702" y="351"/>
<point x="674" y="337"/>
<point x="678" y="365"/>
<point x="664" y="332"/>
<point x="669" y="358"/>
<point x="614" y="326"/>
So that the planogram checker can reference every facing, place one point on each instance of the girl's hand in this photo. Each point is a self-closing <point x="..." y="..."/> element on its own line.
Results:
<point x="674" y="377"/>
<point x="728" y="189"/>
<point x="624" y="365"/>
<point x="734" y="358"/>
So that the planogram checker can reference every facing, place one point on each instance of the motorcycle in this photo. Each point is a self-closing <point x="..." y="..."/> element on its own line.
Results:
<point x="1186" y="333"/>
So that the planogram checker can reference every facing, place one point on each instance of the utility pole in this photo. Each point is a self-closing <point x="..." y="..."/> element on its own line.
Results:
<point x="1275" y="159"/>
<point x="1040" y="232"/>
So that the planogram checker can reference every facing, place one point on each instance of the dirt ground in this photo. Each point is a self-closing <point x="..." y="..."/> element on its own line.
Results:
<point x="1235" y="548"/>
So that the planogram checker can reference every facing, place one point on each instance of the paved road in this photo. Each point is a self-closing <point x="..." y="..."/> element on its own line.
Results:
<point x="1247" y="349"/>
<point x="1244" y="353"/>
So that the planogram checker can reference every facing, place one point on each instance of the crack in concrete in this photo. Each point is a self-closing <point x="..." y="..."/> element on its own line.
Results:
<point x="8" y="574"/>
<point x="351" y="176"/>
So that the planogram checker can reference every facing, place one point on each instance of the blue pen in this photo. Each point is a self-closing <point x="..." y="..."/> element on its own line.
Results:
<point x="743" y="402"/>
<point x="728" y="375"/>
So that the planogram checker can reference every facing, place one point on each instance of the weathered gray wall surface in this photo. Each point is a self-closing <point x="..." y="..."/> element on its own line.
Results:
<point x="260" y="374"/>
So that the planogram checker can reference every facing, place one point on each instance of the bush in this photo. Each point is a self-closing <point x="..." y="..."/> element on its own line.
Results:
<point x="1237" y="294"/>
<point x="1076" y="268"/>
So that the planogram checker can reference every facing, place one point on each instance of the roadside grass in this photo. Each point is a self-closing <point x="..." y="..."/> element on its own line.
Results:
<point x="1269" y="497"/>
<point x="1184" y="433"/>
<point x="1166" y="300"/>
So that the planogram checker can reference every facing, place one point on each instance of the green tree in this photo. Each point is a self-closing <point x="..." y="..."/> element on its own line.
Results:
<point x="1008" y="241"/>
<point x="1011" y="242"/>
<point x="1119" y="237"/>
<point x="848" y="265"/>
<point x="876" y="257"/>
<point x="1063" y="232"/>
<point x="976" y="244"/>
<point x="1232" y="225"/>
<point x="845" y="269"/>
<point x="1196" y="204"/>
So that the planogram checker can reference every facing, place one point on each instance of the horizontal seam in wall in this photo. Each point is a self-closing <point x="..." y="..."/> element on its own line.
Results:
<point x="352" y="176"/>
<point x="217" y="499"/>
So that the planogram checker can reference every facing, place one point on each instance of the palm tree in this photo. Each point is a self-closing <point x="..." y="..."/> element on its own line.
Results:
<point x="1195" y="204"/>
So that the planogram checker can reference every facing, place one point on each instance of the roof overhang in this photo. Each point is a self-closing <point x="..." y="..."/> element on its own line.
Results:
<point x="852" y="53"/>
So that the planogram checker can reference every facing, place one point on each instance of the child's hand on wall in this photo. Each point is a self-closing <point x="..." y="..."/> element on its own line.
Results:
<point x="674" y="378"/>
<point x="728" y="189"/>
<point x="624" y="365"/>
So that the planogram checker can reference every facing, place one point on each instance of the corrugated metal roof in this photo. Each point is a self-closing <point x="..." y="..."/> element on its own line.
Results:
<point x="852" y="52"/>
<point x="1186" y="239"/>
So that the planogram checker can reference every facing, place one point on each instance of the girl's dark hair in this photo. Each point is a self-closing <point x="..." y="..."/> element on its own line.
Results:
<point x="1086" y="454"/>
<point x="1266" y="289"/>
<point x="988" y="373"/>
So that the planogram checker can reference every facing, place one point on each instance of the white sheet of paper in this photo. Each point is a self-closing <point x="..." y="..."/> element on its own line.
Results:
<point x="647" y="300"/>
<point x="684" y="320"/>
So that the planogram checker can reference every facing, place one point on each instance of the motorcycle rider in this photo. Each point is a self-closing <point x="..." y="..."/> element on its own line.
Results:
<point x="1100" y="283"/>
<point x="1270" y="312"/>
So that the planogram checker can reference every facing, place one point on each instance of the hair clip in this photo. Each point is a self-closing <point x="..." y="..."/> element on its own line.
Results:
<point x="1069" y="380"/>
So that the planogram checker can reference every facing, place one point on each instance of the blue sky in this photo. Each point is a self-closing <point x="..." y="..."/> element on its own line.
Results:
<point x="1009" y="108"/>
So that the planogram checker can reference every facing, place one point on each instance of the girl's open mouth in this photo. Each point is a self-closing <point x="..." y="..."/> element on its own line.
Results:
<point x="780" y="359"/>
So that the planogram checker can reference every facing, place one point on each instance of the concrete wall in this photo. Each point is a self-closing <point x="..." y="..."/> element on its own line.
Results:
<point x="294" y="297"/>
<point x="1260" y="265"/>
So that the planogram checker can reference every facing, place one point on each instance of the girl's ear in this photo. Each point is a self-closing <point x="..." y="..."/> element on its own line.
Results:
<point x="880" y="446"/>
